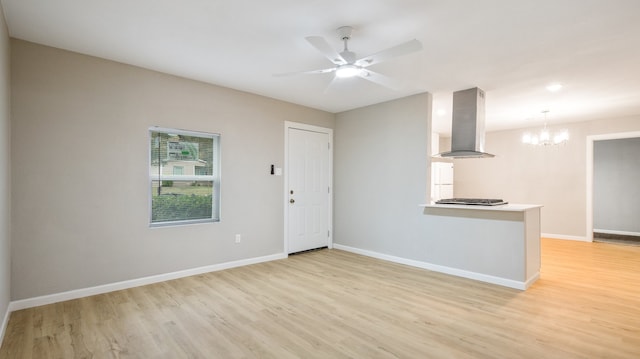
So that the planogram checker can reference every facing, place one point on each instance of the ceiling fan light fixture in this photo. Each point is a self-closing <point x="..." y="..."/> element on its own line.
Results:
<point x="346" y="71"/>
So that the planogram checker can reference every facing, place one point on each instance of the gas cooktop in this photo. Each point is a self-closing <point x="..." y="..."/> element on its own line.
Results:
<point x="473" y="201"/>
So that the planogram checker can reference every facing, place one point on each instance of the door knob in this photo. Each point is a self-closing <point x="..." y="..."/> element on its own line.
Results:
<point x="292" y="200"/>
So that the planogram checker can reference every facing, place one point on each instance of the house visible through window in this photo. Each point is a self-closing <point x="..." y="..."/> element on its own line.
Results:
<point x="184" y="176"/>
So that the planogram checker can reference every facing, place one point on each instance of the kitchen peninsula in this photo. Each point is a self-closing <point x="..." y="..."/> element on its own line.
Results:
<point x="495" y="244"/>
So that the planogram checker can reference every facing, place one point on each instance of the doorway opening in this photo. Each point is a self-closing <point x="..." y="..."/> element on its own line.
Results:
<point x="606" y="189"/>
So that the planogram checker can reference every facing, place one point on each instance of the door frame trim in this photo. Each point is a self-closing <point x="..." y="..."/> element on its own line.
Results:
<point x="305" y="127"/>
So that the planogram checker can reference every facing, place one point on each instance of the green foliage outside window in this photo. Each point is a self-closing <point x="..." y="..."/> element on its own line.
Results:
<point x="180" y="207"/>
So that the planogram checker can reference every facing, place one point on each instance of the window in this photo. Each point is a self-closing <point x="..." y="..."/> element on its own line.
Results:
<point x="178" y="170"/>
<point x="184" y="176"/>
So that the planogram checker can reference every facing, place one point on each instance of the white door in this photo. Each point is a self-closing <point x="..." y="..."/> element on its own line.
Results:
<point x="309" y="191"/>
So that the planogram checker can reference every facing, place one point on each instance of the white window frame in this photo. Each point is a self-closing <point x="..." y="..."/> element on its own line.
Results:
<point x="215" y="177"/>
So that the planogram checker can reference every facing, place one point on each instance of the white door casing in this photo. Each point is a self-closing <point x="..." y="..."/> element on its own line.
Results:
<point x="308" y="182"/>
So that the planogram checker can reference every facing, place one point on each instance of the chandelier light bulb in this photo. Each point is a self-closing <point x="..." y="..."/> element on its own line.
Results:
<point x="561" y="137"/>
<point x="544" y="136"/>
<point x="534" y="140"/>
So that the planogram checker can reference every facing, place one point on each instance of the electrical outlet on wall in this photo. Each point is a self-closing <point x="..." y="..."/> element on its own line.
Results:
<point x="238" y="238"/>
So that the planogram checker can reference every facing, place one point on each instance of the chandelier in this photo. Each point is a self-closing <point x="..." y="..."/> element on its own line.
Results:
<point x="546" y="137"/>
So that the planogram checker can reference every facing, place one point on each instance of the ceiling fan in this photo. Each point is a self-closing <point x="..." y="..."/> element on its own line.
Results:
<point x="348" y="65"/>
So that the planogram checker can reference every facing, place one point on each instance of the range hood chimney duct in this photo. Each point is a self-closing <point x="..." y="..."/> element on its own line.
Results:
<point x="467" y="130"/>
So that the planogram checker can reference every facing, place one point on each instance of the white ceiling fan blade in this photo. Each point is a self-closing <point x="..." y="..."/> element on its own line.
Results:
<point x="311" y="72"/>
<point x="323" y="46"/>
<point x="331" y="85"/>
<point x="398" y="50"/>
<point x="380" y="79"/>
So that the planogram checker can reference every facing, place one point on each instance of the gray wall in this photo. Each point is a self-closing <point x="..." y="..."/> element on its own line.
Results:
<point x="5" y="172"/>
<point x="80" y="167"/>
<point x="616" y="185"/>
<point x="381" y="177"/>
<point x="554" y="177"/>
<point x="380" y="170"/>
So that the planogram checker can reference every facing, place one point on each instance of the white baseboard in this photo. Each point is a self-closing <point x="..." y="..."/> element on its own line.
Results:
<point x="621" y="233"/>
<point x="85" y="292"/>
<point x="5" y="322"/>
<point x="442" y="269"/>
<point x="563" y="236"/>
<point x="531" y="280"/>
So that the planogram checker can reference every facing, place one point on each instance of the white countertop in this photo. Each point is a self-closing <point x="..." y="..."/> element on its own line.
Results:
<point x="509" y="207"/>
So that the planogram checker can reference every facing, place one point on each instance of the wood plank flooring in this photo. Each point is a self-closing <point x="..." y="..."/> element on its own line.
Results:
<point x="334" y="304"/>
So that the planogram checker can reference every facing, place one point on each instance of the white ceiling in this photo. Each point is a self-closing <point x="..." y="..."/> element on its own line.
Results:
<point x="512" y="49"/>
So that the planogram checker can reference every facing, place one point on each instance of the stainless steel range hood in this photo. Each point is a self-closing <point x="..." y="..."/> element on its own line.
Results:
<point x="467" y="130"/>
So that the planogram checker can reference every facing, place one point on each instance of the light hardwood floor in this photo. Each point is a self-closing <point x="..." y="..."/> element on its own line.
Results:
<point x="334" y="304"/>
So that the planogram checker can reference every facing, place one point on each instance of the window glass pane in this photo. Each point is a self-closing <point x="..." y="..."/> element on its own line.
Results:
<point x="177" y="159"/>
<point x="181" y="200"/>
<point x="192" y="153"/>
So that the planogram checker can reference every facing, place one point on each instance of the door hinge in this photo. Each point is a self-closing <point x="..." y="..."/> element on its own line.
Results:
<point x="329" y="233"/>
<point x="328" y="189"/>
<point x="328" y="145"/>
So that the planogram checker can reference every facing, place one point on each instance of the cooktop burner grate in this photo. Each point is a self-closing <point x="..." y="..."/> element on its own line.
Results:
<point x="473" y="201"/>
